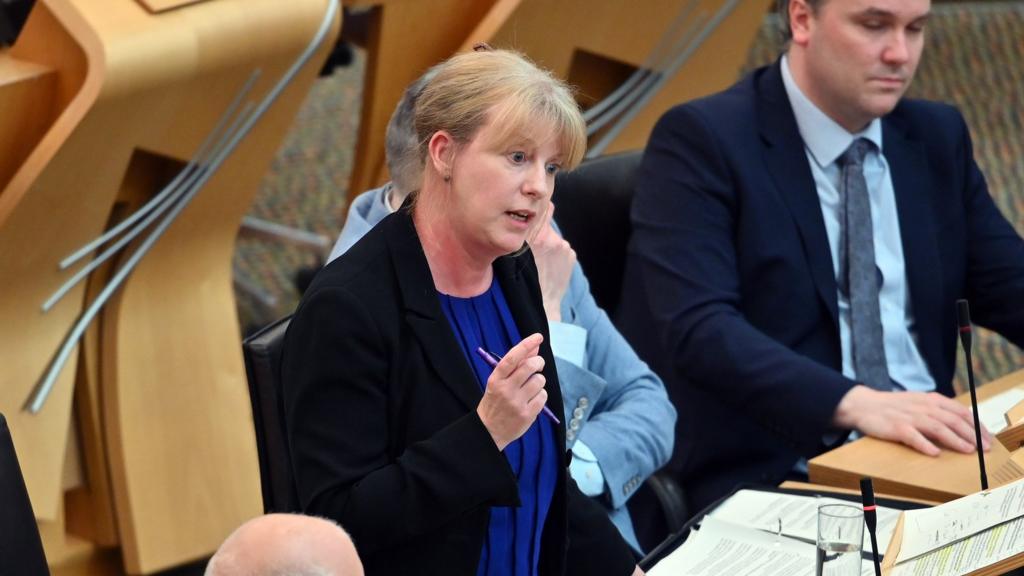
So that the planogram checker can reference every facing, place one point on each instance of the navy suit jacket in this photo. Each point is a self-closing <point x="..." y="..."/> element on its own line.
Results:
<point x="730" y="293"/>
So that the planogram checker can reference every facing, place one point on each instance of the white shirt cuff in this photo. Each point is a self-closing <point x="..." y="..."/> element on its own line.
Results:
<point x="585" y="470"/>
<point x="568" y="342"/>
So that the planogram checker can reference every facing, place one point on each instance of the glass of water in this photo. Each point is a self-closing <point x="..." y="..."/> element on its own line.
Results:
<point x="840" y="536"/>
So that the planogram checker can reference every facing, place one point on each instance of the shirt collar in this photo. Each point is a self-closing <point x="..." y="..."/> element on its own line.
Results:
<point x="825" y="139"/>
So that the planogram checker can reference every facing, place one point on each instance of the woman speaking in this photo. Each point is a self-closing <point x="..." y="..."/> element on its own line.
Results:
<point x="400" y="429"/>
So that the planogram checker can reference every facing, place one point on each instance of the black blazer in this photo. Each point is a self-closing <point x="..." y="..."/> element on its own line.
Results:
<point x="380" y="405"/>
<point x="730" y="293"/>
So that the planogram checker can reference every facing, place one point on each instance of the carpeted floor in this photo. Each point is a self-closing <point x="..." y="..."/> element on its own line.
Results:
<point x="973" y="59"/>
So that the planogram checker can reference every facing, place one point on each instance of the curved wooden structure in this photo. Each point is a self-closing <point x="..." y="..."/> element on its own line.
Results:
<point x="582" y="41"/>
<point x="112" y="97"/>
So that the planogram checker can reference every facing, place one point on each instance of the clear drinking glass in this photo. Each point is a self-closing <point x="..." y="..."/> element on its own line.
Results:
<point x="840" y="537"/>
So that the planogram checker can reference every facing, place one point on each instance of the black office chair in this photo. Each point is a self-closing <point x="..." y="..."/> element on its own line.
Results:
<point x="262" y="352"/>
<point x="592" y="210"/>
<point x="21" y="550"/>
<point x="592" y="206"/>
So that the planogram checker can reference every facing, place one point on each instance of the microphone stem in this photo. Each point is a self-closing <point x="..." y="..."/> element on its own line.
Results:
<point x="977" y="421"/>
<point x="874" y="553"/>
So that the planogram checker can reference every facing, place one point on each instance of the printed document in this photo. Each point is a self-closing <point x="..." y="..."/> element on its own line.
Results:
<point x="797" y="514"/>
<point x="929" y="529"/>
<point x="721" y="547"/>
<point x="968" y="555"/>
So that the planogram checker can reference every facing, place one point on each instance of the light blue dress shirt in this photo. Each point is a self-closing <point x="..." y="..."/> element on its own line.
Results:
<point x="825" y="141"/>
<point x="620" y="424"/>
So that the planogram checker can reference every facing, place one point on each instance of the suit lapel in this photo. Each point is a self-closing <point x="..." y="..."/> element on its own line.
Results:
<point x="787" y="163"/>
<point x="518" y="279"/>
<point x="912" y="187"/>
<point x="423" y="311"/>
<point x="517" y="276"/>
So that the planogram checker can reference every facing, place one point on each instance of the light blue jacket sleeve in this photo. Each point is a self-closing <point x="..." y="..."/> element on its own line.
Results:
<point x="614" y="403"/>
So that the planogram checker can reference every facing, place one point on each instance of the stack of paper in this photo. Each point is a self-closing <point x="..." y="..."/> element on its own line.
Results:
<point x="992" y="412"/>
<point x="756" y="533"/>
<point x="975" y="534"/>
<point x="721" y="547"/>
<point x="795" y="515"/>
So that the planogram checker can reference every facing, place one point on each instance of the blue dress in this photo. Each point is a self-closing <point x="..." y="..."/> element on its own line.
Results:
<point x="512" y="544"/>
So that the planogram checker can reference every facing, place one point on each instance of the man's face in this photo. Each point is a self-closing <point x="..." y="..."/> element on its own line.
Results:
<point x="858" y="56"/>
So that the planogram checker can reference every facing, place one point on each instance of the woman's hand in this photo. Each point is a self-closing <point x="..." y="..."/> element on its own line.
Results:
<point x="515" y="392"/>
<point x="555" y="260"/>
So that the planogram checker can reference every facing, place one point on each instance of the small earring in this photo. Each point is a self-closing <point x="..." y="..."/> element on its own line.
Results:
<point x="447" y="177"/>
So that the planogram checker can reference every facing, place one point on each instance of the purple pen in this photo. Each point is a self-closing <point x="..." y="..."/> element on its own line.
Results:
<point x="492" y="361"/>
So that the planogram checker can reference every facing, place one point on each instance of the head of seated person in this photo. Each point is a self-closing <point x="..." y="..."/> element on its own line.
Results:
<point x="402" y="146"/>
<point x="286" y="545"/>
<point x="492" y="131"/>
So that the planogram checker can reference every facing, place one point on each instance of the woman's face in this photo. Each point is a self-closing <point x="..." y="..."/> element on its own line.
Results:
<point x="499" y="192"/>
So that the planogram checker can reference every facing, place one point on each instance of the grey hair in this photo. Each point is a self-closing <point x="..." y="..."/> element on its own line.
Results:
<point x="401" y="144"/>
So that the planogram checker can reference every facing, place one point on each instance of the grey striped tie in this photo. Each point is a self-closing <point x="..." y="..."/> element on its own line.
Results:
<point x="860" y="279"/>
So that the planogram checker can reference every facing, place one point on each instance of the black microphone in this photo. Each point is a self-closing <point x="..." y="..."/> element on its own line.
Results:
<point x="867" y="496"/>
<point x="963" y="318"/>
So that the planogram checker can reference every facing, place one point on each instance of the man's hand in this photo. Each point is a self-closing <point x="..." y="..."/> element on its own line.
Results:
<point x="555" y="260"/>
<point x="924" y="421"/>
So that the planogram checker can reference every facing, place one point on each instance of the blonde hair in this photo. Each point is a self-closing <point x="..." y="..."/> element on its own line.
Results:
<point x="468" y="86"/>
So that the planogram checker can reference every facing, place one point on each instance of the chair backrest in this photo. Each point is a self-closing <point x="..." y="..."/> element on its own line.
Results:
<point x="592" y="210"/>
<point x="262" y="353"/>
<point x="21" y="550"/>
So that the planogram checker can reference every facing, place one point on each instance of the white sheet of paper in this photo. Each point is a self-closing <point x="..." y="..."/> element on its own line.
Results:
<point x="929" y="529"/>
<point x="720" y="547"/>
<point x="992" y="412"/>
<point x="723" y="548"/>
<point x="799" y="515"/>
<point x="967" y="555"/>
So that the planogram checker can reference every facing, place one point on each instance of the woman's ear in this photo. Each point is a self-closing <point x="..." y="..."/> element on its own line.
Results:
<point x="441" y="152"/>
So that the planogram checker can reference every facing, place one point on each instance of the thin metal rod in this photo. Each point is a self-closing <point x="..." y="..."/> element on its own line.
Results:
<point x="177" y="193"/>
<point x="651" y="82"/>
<point x="198" y="158"/>
<point x="265" y="228"/>
<point x="41" y="393"/>
<point x="652" y="62"/>
<point x="626" y="118"/>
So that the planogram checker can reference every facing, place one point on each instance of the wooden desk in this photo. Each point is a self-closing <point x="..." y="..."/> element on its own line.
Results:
<point x="792" y="484"/>
<point x="904" y="472"/>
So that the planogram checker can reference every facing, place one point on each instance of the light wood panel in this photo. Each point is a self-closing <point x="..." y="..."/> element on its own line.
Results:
<point x="627" y="32"/>
<point x="553" y="34"/>
<point x="38" y="206"/>
<point x="162" y="393"/>
<point x="405" y="38"/>
<point x="28" y="88"/>
<point x="902" y="471"/>
<point x="795" y="485"/>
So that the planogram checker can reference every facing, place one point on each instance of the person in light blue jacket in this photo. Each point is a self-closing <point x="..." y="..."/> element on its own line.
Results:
<point x="619" y="422"/>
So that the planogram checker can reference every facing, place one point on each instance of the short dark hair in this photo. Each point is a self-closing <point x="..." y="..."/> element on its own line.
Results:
<point x="782" y="8"/>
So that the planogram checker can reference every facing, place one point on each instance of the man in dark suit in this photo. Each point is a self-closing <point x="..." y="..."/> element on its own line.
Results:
<point x="800" y="240"/>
